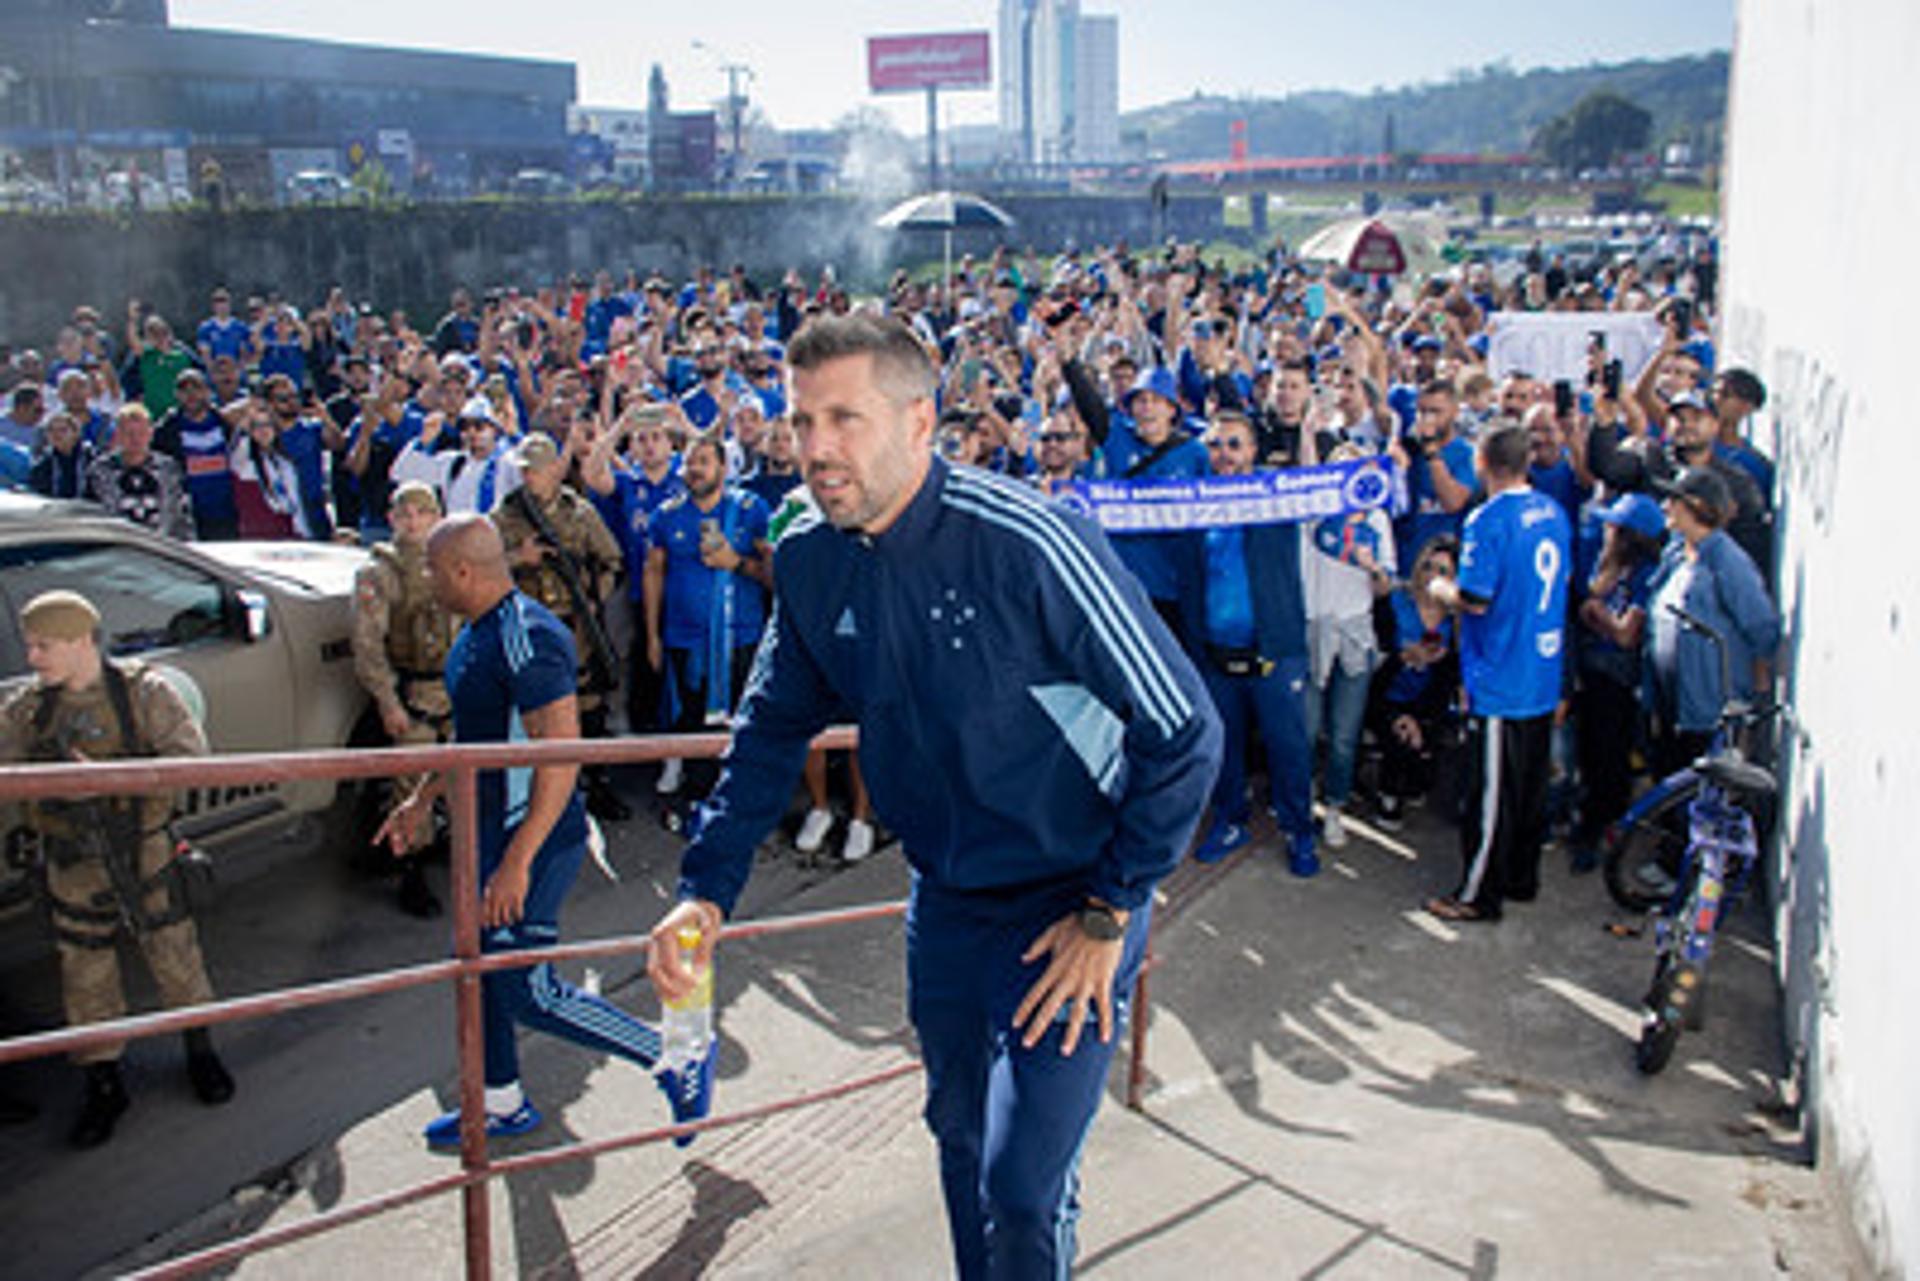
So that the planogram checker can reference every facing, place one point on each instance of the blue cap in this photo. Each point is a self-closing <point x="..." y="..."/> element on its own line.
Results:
<point x="1427" y="342"/>
<point x="1636" y="512"/>
<point x="1158" y="380"/>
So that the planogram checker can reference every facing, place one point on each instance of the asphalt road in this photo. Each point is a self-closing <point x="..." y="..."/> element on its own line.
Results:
<point x="304" y="1077"/>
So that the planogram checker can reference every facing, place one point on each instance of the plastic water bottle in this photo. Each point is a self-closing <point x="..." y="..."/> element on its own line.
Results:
<point x="686" y="1026"/>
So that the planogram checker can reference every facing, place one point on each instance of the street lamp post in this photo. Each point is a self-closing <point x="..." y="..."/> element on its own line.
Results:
<point x="736" y="73"/>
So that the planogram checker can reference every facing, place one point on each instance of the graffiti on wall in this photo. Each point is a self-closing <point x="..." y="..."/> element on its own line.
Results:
<point x="1810" y="412"/>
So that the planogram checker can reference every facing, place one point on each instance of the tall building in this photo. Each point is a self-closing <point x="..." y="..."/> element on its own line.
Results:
<point x="1096" y="88"/>
<point x="1059" y="83"/>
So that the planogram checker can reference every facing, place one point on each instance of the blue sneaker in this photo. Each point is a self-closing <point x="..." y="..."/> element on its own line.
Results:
<point x="1222" y="840"/>
<point x="1302" y="860"/>
<point x="690" y="1093"/>
<point x="444" y="1131"/>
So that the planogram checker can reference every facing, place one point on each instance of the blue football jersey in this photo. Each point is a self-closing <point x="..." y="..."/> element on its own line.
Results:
<point x="1515" y="556"/>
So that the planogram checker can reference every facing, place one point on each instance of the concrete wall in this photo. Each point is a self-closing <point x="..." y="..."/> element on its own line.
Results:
<point x="1820" y="276"/>
<point x="413" y="258"/>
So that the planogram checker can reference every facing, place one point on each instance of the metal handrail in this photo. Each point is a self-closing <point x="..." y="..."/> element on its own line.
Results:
<point x="462" y="763"/>
<point x="178" y="773"/>
<point x="236" y="1009"/>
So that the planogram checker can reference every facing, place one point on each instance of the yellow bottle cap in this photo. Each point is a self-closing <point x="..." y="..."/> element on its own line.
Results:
<point x="689" y="936"/>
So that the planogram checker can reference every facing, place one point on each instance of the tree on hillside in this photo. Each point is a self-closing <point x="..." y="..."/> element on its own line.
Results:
<point x="1497" y="109"/>
<point x="1593" y="131"/>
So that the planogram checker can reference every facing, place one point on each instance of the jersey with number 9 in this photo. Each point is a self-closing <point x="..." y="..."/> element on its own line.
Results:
<point x="1514" y="557"/>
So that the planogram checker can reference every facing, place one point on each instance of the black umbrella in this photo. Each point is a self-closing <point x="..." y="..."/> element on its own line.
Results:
<point x="943" y="211"/>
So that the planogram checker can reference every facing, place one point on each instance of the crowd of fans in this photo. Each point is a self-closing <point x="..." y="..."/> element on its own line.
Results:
<point x="267" y="421"/>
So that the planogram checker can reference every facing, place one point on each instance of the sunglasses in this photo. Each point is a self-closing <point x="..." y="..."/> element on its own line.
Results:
<point x="1057" y="437"/>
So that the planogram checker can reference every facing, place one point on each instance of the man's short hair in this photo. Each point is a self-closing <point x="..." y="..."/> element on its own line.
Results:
<point x="27" y="392"/>
<point x="1504" y="448"/>
<point x="1438" y="387"/>
<point x="1232" y="418"/>
<point x="1745" y="384"/>
<point x="706" y="440"/>
<point x="900" y="364"/>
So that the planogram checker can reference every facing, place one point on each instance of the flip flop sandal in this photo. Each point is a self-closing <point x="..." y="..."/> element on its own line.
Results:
<point x="1449" y="908"/>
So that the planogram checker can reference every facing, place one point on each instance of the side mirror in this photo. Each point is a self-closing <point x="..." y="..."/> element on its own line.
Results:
<point x="258" y="618"/>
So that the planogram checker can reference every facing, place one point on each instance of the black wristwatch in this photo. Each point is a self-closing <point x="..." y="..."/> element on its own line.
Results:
<point x="1100" y="923"/>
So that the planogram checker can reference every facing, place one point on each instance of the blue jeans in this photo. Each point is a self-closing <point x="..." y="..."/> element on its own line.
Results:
<point x="1338" y="709"/>
<point x="1009" y="1121"/>
<point x="1277" y="703"/>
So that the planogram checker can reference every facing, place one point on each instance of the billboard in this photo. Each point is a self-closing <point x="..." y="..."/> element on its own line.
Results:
<point x="951" y="60"/>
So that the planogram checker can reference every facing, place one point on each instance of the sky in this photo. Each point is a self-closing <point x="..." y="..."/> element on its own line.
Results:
<point x="809" y="66"/>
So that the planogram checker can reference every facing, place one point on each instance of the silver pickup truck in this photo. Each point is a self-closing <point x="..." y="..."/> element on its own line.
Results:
<point x="257" y="633"/>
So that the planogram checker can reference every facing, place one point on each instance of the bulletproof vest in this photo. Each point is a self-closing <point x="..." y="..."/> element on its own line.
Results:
<point x="419" y="630"/>
<point x="543" y="582"/>
<point x="102" y="724"/>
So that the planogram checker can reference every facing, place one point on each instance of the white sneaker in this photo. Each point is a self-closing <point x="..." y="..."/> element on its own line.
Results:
<point x="669" y="781"/>
<point x="859" y="841"/>
<point x="1333" y="830"/>
<point x="813" y="831"/>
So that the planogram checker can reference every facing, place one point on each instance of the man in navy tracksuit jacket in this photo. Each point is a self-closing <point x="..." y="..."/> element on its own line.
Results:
<point x="1029" y="728"/>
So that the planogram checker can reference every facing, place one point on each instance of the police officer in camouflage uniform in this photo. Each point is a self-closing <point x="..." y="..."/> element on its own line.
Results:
<point x="538" y="570"/>
<point x="401" y="636"/>
<point x="110" y="863"/>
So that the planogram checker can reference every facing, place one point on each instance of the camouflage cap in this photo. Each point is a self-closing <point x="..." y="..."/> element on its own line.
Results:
<point x="60" y="615"/>
<point x="415" y="493"/>
<point x="537" y="450"/>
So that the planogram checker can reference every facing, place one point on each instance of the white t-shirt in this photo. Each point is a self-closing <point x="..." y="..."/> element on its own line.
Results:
<point x="1339" y="593"/>
<point x="460" y="479"/>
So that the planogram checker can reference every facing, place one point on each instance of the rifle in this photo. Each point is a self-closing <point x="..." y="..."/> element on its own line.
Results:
<point x="603" y="669"/>
<point x="110" y="832"/>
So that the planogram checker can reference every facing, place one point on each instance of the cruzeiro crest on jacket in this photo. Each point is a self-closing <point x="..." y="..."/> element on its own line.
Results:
<point x="953" y="620"/>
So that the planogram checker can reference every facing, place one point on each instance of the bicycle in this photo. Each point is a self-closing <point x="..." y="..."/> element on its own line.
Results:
<point x="1720" y="852"/>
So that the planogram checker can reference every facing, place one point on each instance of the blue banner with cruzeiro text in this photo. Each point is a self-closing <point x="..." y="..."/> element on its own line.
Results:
<point x="1210" y="502"/>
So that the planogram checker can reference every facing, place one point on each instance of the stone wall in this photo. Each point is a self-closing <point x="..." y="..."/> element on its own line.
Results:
<point x="413" y="257"/>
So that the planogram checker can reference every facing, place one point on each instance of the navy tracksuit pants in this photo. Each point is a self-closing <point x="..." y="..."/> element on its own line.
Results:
<point x="1009" y="1121"/>
<point x="537" y="996"/>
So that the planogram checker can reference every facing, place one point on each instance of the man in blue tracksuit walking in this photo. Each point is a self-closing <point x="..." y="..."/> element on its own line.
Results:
<point x="1029" y="728"/>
